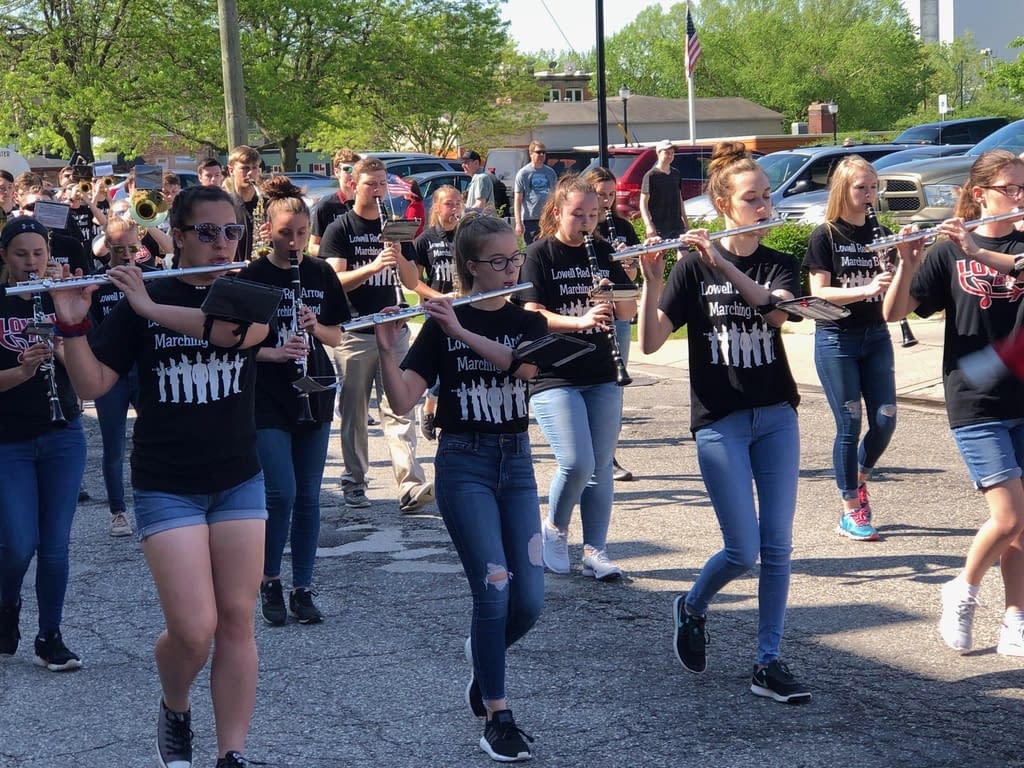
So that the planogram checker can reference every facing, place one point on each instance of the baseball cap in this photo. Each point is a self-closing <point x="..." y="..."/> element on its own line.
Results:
<point x="663" y="145"/>
<point x="470" y="154"/>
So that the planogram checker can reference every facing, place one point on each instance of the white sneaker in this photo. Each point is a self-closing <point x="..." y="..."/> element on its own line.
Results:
<point x="1011" y="639"/>
<point x="597" y="564"/>
<point x="556" y="549"/>
<point x="119" y="525"/>
<point x="957" y="615"/>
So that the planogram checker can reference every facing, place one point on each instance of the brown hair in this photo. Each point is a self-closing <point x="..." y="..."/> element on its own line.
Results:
<point x="841" y="181"/>
<point x="984" y="171"/>
<point x="728" y="159"/>
<point x="368" y="165"/>
<point x="599" y="175"/>
<point x="170" y="177"/>
<point x="344" y="156"/>
<point x="185" y="203"/>
<point x="537" y="145"/>
<point x="473" y="231"/>
<point x="282" y="196"/>
<point x="567" y="184"/>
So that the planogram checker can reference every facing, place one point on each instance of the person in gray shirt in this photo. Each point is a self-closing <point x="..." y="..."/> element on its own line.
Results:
<point x="534" y="182"/>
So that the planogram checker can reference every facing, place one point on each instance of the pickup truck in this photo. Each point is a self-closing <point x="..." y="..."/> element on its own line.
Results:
<point x="926" y="191"/>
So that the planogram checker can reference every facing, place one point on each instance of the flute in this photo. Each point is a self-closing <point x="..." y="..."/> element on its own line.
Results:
<point x="884" y="243"/>
<point x="668" y="245"/>
<point x="379" y="318"/>
<point x="48" y="284"/>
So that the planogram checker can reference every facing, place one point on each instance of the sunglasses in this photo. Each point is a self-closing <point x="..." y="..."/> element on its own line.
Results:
<point x="123" y="250"/>
<point x="346" y="168"/>
<point x="207" y="233"/>
<point x="540" y="151"/>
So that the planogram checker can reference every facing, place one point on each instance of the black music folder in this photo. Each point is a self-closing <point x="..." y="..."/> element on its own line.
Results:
<point x="552" y="351"/>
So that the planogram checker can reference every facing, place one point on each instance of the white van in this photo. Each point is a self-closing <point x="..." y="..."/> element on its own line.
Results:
<point x="505" y="162"/>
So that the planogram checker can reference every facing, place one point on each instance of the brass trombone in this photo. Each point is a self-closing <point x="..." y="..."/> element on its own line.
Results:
<point x="147" y="207"/>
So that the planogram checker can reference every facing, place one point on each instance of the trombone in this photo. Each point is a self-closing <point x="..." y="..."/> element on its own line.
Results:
<point x="148" y="207"/>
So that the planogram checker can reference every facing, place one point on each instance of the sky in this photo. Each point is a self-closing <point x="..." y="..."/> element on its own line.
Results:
<point x="533" y="29"/>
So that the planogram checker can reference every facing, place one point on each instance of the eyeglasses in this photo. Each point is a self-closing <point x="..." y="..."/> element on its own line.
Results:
<point x="207" y="233"/>
<point x="1010" y="190"/>
<point x="124" y="250"/>
<point x="540" y="151"/>
<point x="499" y="263"/>
<point x="346" y="168"/>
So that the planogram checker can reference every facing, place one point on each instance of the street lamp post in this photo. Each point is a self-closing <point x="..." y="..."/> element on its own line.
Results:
<point x="624" y="94"/>
<point x="833" y="109"/>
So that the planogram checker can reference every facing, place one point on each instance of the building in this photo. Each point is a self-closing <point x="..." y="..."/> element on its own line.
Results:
<point x="993" y="23"/>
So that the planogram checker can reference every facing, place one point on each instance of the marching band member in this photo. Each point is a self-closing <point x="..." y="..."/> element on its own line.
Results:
<point x="974" y="278"/>
<point x="293" y="452"/>
<point x="743" y="403"/>
<point x="577" y="409"/>
<point x="330" y="207"/>
<point x="486" y="489"/>
<point x="42" y="453"/>
<point x="243" y="175"/>
<point x="199" y="503"/>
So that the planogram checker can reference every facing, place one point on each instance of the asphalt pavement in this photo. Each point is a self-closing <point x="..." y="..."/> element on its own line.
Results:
<point x="596" y="683"/>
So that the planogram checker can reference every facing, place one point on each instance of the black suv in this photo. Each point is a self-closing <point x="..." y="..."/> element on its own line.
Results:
<point x="967" y="130"/>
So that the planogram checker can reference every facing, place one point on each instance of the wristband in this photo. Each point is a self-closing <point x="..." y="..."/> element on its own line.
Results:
<point x="1017" y="268"/>
<point x="767" y="307"/>
<point x="516" y="362"/>
<point x="71" y="330"/>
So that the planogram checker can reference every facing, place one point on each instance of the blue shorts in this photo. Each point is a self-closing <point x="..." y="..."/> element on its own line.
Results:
<point x="993" y="451"/>
<point x="157" y="511"/>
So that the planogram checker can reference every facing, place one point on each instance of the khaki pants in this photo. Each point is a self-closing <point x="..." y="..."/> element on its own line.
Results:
<point x="357" y="361"/>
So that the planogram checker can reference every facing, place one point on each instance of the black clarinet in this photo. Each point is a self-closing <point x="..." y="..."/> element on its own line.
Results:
<point x="41" y="329"/>
<point x="305" y="412"/>
<point x="888" y="262"/>
<point x="621" y="375"/>
<point x="609" y="221"/>
<point x="399" y="295"/>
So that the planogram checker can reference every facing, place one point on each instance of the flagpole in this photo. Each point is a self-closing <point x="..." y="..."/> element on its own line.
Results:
<point x="691" y="113"/>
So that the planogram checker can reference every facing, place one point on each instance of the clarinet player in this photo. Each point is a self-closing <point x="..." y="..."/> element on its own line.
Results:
<point x="292" y="442"/>
<point x="42" y="450"/>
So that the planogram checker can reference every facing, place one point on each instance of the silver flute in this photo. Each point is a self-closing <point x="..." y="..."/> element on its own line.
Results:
<point x="379" y="318"/>
<point x="668" y="245"/>
<point x="49" y="284"/>
<point x="885" y="243"/>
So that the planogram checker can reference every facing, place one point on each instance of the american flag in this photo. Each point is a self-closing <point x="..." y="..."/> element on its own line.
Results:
<point x="397" y="186"/>
<point x="693" y="50"/>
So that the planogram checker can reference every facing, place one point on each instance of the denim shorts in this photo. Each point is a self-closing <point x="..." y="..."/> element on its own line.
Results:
<point x="993" y="451"/>
<point x="158" y="511"/>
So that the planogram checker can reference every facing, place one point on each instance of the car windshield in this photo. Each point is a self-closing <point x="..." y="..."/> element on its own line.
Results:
<point x="781" y="166"/>
<point x="921" y="134"/>
<point x="1009" y="137"/>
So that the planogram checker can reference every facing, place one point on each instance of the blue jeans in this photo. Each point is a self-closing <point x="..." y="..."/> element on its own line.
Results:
<point x="993" y="451"/>
<point x="581" y="424"/>
<point x="487" y="495"/>
<point x="855" y="365"/>
<point x="760" y="445"/>
<point x="293" y="468"/>
<point x="112" y="414"/>
<point x="159" y="511"/>
<point x="37" y="504"/>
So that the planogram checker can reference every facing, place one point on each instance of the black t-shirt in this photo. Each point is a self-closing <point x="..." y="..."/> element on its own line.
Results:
<point x="434" y="253"/>
<point x="737" y="360"/>
<point x="327" y="209"/>
<point x="106" y="297"/>
<point x="623" y="229"/>
<point x="981" y="306"/>
<point x="82" y="226"/>
<point x="665" y="204"/>
<point x="68" y="251"/>
<point x="25" y="409"/>
<point x="357" y="240"/>
<point x="474" y="395"/>
<point x="248" y="209"/>
<point x="839" y="250"/>
<point x="562" y="283"/>
<point x="195" y="431"/>
<point x="277" y="401"/>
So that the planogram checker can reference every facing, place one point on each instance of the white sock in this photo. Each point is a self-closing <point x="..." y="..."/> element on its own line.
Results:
<point x="1013" y="616"/>
<point x="970" y="589"/>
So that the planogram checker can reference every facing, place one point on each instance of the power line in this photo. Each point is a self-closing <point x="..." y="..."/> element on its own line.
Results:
<point x="555" y="22"/>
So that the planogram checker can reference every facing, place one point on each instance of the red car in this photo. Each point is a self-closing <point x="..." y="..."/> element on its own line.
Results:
<point x="629" y="164"/>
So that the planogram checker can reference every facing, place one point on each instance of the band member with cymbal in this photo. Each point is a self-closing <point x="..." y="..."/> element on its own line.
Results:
<point x="200" y="503"/>
<point x="42" y="451"/>
<point x="291" y="440"/>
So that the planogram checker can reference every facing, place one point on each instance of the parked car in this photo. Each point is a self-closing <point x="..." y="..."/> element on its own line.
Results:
<point x="796" y="171"/>
<point x="505" y="162"/>
<point x="967" y="130"/>
<point x="429" y="183"/>
<point x="188" y="179"/>
<point x="926" y="191"/>
<point x="407" y="166"/>
<point x="809" y="208"/>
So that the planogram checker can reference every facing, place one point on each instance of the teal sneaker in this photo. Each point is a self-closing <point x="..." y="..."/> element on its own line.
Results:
<point x="856" y="525"/>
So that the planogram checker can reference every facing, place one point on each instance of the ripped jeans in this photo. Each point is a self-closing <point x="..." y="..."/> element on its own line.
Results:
<point x="856" y="365"/>
<point x="487" y="495"/>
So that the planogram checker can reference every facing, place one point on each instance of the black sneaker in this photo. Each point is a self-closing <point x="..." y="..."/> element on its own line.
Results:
<point x="272" y="603"/>
<point x="10" y="635"/>
<point x="776" y="682"/>
<point x="691" y="637"/>
<point x="503" y="740"/>
<point x="54" y="655"/>
<point x="234" y="759"/>
<point x="173" y="738"/>
<point x="474" y="699"/>
<point x="619" y="472"/>
<point x="427" y="428"/>
<point x="355" y="498"/>
<point x="300" y="602"/>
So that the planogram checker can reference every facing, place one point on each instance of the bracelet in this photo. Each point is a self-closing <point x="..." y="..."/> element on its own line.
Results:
<point x="767" y="307"/>
<point x="72" y="330"/>
<point x="1017" y="268"/>
<point x="516" y="362"/>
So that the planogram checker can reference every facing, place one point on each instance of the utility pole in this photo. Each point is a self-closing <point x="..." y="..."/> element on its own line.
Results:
<point x="602" y="97"/>
<point x="231" y="72"/>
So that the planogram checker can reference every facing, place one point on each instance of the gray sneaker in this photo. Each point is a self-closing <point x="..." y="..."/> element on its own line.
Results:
<point x="556" y="549"/>
<point x="174" y="738"/>
<point x="355" y="498"/>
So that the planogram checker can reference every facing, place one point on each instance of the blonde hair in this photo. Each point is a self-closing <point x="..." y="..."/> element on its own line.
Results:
<point x="435" y="202"/>
<point x="841" y="182"/>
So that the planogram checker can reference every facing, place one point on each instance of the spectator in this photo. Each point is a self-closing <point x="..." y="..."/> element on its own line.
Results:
<point x="480" y="193"/>
<point x="534" y="183"/>
<point x="661" y="202"/>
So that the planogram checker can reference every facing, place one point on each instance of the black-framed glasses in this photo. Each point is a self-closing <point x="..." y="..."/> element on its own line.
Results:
<point x="207" y="233"/>
<point x="500" y="263"/>
<point x="1010" y="190"/>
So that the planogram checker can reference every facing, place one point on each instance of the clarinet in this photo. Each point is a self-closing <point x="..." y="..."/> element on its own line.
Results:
<point x="888" y="263"/>
<point x="305" y="413"/>
<point x="399" y="295"/>
<point x="609" y="221"/>
<point x="41" y="329"/>
<point x="621" y="375"/>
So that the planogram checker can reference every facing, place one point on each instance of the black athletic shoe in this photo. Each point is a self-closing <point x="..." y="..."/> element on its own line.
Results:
<point x="54" y="655"/>
<point x="272" y="603"/>
<point x="10" y="635"/>
<point x="776" y="682"/>
<point x="503" y="740"/>
<point x="691" y="637"/>
<point x="474" y="699"/>
<point x="174" y="738"/>
<point x="300" y="601"/>
<point x="234" y="760"/>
